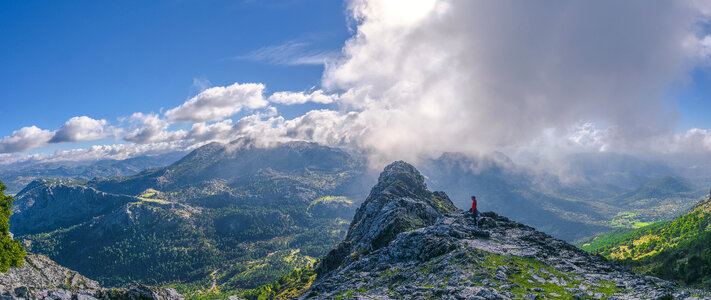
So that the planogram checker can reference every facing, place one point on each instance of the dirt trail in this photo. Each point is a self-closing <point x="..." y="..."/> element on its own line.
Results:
<point x="214" y="281"/>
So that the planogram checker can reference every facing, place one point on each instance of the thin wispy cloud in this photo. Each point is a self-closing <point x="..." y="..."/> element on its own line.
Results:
<point x="291" y="53"/>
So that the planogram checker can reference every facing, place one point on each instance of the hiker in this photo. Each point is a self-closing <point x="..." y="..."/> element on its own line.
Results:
<point x="474" y="212"/>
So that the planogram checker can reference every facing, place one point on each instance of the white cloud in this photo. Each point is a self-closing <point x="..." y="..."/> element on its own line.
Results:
<point x="82" y="129"/>
<point x="290" y="53"/>
<point x="291" y="98"/>
<point x="217" y="103"/>
<point x="219" y="131"/>
<point x="476" y="76"/>
<point x="97" y="152"/>
<point x="150" y="128"/>
<point x="24" y="139"/>
<point x="422" y="77"/>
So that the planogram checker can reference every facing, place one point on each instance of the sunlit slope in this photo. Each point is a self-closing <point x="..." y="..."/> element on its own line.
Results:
<point x="676" y="250"/>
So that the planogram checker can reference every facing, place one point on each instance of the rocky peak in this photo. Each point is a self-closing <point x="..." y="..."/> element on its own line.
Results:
<point x="408" y="243"/>
<point x="399" y="202"/>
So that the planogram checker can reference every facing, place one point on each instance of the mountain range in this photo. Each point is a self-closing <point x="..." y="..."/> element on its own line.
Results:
<point x="16" y="176"/>
<point x="231" y="217"/>
<point x="230" y="213"/>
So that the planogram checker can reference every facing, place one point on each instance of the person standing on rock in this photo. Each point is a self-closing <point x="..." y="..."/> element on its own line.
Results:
<point x="475" y="213"/>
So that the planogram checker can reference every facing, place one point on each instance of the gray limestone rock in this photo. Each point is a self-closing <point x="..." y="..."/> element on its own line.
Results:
<point x="41" y="278"/>
<point x="406" y="242"/>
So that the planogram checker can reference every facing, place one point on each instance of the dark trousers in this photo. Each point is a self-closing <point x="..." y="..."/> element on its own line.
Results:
<point x="475" y="214"/>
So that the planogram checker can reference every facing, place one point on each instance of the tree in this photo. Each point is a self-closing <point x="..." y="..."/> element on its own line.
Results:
<point x="11" y="251"/>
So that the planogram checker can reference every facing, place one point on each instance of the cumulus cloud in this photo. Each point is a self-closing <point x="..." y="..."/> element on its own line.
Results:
<point x="291" y="98"/>
<point x="217" y="103"/>
<point x="431" y="76"/>
<point x="82" y="129"/>
<point x="150" y="128"/>
<point x="219" y="131"/>
<point x="24" y="139"/>
<point x="75" y="129"/>
<point x="423" y="77"/>
<point x="96" y="152"/>
<point x="462" y="75"/>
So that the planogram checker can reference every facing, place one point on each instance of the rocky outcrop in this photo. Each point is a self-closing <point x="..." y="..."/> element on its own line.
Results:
<point x="41" y="278"/>
<point x="399" y="202"/>
<point x="404" y="245"/>
<point x="39" y="272"/>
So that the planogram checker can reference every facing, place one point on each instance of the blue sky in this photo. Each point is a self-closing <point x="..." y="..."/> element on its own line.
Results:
<point x="694" y="98"/>
<point x="107" y="59"/>
<point x="602" y="76"/>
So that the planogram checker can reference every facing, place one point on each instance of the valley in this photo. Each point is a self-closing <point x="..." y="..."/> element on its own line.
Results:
<point x="229" y="218"/>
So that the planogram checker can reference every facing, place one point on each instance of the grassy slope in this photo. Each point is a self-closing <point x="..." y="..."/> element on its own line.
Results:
<point x="675" y="250"/>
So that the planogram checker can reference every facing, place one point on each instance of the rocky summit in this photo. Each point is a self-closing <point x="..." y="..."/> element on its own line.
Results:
<point x="406" y="242"/>
<point x="41" y="278"/>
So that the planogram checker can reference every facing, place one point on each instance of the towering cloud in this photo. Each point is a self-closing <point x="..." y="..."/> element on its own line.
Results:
<point x="464" y="75"/>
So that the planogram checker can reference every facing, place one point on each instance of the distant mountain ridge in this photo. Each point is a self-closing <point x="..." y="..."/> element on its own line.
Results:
<point x="17" y="176"/>
<point x="43" y="200"/>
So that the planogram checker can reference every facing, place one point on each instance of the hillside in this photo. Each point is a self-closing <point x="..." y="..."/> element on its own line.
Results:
<point x="675" y="250"/>
<point x="406" y="242"/>
<point x="227" y="214"/>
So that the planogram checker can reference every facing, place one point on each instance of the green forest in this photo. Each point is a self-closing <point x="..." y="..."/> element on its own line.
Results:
<point x="11" y="251"/>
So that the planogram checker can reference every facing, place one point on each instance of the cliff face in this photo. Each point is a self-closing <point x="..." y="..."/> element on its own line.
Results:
<point x="399" y="202"/>
<point x="407" y="242"/>
<point x="41" y="278"/>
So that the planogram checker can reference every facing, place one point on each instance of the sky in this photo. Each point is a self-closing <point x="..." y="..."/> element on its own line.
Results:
<point x="107" y="60"/>
<point x="397" y="79"/>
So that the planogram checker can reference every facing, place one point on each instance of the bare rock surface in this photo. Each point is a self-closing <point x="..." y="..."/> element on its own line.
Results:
<point x="41" y="278"/>
<point x="406" y="242"/>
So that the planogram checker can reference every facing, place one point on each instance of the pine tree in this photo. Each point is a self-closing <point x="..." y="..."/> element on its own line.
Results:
<point x="11" y="251"/>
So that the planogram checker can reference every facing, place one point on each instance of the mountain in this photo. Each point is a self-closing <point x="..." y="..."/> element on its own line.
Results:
<point x="41" y="278"/>
<point x="502" y="187"/>
<point x="229" y="217"/>
<point x="406" y="242"/>
<point x="237" y="164"/>
<point x="16" y="176"/>
<point x="664" y="187"/>
<point x="44" y="199"/>
<point x="675" y="250"/>
<point x="226" y="217"/>
<point x="602" y="198"/>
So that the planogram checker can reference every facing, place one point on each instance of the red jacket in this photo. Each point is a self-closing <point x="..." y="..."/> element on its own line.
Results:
<point x="473" y="205"/>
